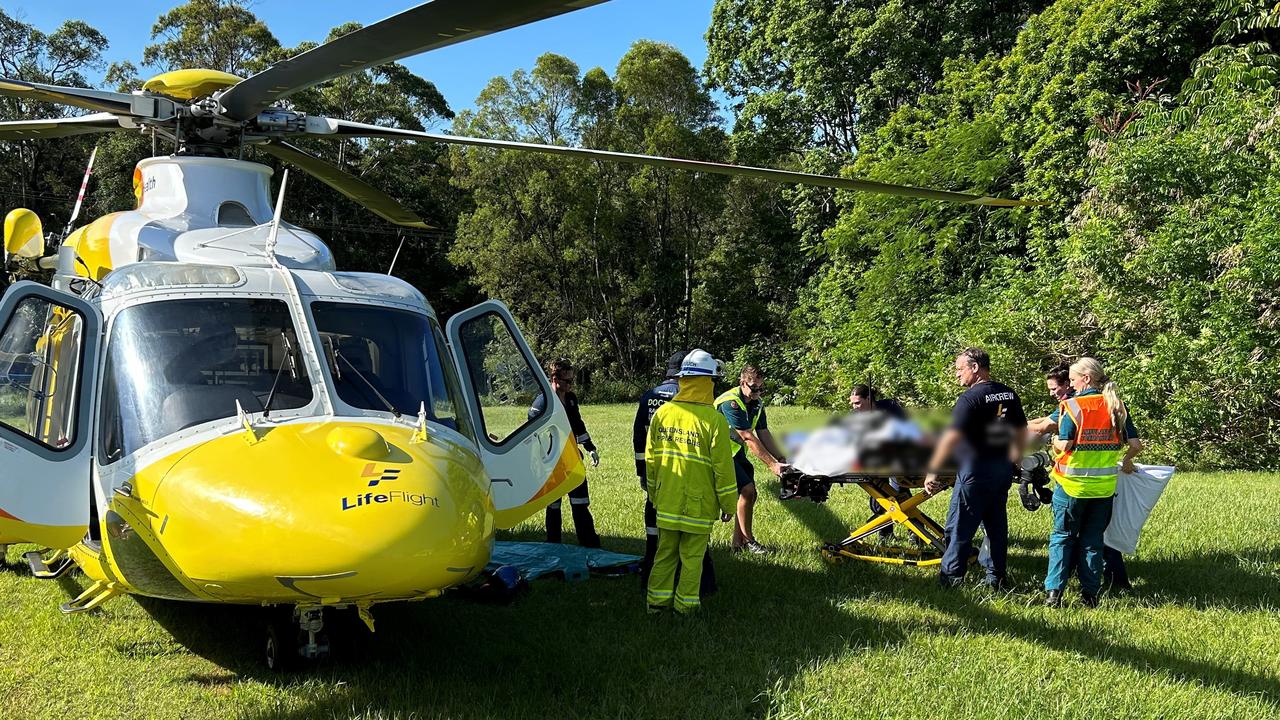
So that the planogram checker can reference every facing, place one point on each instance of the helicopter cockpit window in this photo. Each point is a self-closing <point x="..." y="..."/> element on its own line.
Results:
<point x="390" y="360"/>
<point x="175" y="364"/>
<point x="40" y="359"/>
<point x="233" y="214"/>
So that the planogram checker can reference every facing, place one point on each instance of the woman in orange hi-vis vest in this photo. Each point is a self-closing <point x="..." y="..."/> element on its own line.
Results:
<point x="1095" y="438"/>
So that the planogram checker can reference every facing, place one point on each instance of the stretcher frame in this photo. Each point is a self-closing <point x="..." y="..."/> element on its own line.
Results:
<point x="895" y="510"/>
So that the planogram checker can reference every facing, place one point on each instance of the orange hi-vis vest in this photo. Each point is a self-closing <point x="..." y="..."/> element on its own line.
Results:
<point x="1088" y="468"/>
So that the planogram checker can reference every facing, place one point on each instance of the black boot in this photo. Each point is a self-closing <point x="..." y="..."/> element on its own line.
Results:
<point x="585" y="526"/>
<point x="646" y="564"/>
<point x="1089" y="600"/>
<point x="1053" y="599"/>
<point x="709" y="585"/>
<point x="554" y="524"/>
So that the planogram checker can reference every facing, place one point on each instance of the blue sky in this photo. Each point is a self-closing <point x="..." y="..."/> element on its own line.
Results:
<point x="594" y="36"/>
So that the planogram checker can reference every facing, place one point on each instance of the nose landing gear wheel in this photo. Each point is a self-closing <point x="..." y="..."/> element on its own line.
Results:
<point x="281" y="646"/>
<point x="294" y="636"/>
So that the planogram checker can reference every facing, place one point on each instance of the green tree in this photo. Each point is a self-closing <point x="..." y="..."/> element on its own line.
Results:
<point x="605" y="263"/>
<point x="211" y="34"/>
<point x="39" y="174"/>
<point x="1151" y="136"/>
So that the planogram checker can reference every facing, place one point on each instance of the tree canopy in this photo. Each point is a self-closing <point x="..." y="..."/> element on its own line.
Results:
<point x="1148" y="127"/>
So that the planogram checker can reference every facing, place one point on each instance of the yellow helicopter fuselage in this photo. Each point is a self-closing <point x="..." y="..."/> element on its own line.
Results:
<point x="258" y="427"/>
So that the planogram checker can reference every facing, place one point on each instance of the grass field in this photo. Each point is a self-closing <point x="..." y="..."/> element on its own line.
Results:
<point x="787" y="636"/>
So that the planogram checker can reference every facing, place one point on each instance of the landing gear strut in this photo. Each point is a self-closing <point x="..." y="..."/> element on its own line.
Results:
<point x="294" y="636"/>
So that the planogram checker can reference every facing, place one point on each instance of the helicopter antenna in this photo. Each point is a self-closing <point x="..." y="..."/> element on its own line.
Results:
<point x="303" y="332"/>
<point x="84" y="186"/>
<point x="397" y="255"/>
<point x="275" y="221"/>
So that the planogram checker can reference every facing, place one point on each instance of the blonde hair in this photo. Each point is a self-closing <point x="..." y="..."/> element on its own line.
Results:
<point x="1092" y="369"/>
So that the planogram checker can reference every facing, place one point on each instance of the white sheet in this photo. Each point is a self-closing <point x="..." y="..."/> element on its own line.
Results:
<point x="1136" y="496"/>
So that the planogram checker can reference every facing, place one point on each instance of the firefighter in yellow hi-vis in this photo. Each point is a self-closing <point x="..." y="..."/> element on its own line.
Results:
<point x="689" y="466"/>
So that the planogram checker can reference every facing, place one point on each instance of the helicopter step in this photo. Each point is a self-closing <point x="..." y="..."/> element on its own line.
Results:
<point x="54" y="566"/>
<point x="98" y="593"/>
<point x="295" y="637"/>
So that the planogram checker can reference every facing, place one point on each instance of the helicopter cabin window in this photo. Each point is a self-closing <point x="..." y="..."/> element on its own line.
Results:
<point x="390" y="360"/>
<point x="41" y="353"/>
<point x="233" y="214"/>
<point x="175" y="364"/>
<point x="505" y="383"/>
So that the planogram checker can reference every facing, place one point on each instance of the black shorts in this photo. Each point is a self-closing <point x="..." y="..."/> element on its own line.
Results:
<point x="744" y="471"/>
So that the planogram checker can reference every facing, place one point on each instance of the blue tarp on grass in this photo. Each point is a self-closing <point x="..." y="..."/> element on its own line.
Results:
<point x="574" y="563"/>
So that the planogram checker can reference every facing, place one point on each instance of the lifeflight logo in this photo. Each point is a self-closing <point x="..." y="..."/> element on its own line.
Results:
<point x="374" y="476"/>
<point x="395" y="496"/>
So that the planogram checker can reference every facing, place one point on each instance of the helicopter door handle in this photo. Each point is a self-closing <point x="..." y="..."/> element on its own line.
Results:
<point x="551" y="446"/>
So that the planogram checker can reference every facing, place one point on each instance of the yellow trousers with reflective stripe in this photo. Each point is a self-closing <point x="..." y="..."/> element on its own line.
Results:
<point x="683" y="550"/>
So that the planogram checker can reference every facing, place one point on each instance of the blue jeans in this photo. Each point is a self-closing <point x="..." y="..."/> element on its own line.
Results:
<point x="980" y="497"/>
<point x="1078" y="525"/>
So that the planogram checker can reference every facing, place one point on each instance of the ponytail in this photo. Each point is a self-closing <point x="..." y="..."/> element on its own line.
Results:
<point x="1115" y="406"/>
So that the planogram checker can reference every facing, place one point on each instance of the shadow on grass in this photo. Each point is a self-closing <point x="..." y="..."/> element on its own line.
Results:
<point x="1232" y="581"/>
<point x="589" y="649"/>
<point x="1109" y="649"/>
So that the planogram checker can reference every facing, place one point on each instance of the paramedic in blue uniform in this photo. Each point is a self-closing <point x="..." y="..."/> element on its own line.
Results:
<point x="743" y="408"/>
<point x="987" y="436"/>
<point x="1115" y="574"/>
<point x="649" y="404"/>
<point x="561" y="374"/>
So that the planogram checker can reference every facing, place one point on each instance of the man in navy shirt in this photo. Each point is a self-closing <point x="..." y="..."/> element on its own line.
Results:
<point x="649" y="404"/>
<point x="986" y="439"/>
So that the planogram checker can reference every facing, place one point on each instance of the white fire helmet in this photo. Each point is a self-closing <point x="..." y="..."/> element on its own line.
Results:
<point x="700" y="363"/>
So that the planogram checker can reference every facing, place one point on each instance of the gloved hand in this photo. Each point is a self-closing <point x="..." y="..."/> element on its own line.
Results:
<point x="595" y="458"/>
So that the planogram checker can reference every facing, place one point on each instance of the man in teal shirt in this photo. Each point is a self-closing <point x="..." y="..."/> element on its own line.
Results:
<point x="743" y="408"/>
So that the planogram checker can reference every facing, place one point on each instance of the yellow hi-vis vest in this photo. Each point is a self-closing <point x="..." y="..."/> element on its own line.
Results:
<point x="688" y="466"/>
<point x="1087" y="469"/>
<point x="735" y="395"/>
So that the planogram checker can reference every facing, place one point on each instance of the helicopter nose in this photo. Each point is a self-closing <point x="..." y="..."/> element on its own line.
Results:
<point x="328" y="510"/>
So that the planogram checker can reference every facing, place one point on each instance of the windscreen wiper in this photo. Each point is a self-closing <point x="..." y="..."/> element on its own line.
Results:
<point x="337" y="355"/>
<point x="293" y="372"/>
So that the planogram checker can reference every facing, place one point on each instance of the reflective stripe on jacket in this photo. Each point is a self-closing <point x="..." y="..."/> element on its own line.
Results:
<point x="735" y="394"/>
<point x="1087" y="469"/>
<point x="688" y="462"/>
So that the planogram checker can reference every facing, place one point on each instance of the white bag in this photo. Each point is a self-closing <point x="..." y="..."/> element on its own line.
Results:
<point x="1136" y="496"/>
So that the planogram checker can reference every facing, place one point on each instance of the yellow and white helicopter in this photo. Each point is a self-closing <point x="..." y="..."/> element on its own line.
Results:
<point x="202" y="407"/>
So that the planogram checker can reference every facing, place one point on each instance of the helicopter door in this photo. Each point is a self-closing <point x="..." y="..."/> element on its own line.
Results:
<point x="49" y="344"/>
<point x="528" y="453"/>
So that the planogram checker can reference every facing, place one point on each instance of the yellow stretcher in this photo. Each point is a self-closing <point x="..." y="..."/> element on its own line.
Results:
<point x="898" y="507"/>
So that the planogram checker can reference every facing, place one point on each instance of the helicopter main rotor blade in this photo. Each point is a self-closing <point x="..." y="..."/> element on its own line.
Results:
<point x="59" y="127"/>
<point x="346" y="128"/>
<point x="426" y="27"/>
<point x="359" y="191"/>
<point x="146" y="106"/>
